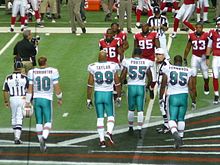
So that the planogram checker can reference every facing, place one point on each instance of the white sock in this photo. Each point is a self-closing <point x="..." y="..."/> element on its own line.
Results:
<point x="198" y="17"/>
<point x="140" y="119"/>
<point x="181" y="128"/>
<point x="110" y="124"/>
<point x="205" y="16"/>
<point x="39" y="129"/>
<point x="46" y="130"/>
<point x="216" y="93"/>
<point x="173" y="126"/>
<point x="17" y="133"/>
<point x="100" y="129"/>
<point x="130" y="118"/>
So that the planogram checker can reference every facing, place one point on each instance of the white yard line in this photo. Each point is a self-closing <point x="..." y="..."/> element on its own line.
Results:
<point x="199" y="138"/>
<point x="9" y="43"/>
<point x="184" y="146"/>
<point x="202" y="128"/>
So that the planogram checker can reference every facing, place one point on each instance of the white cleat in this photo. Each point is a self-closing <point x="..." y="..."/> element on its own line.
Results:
<point x="138" y="25"/>
<point x="173" y="35"/>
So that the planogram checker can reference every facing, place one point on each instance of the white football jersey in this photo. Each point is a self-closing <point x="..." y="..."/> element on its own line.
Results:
<point x="43" y="81"/>
<point x="103" y="73"/>
<point x="178" y="78"/>
<point x="137" y="68"/>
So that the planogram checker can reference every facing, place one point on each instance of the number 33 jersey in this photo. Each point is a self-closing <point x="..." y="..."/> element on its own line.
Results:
<point x="177" y="79"/>
<point x="103" y="73"/>
<point x="137" y="68"/>
<point x="43" y="80"/>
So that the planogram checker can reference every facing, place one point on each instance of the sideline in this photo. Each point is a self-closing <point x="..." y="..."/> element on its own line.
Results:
<point x="9" y="43"/>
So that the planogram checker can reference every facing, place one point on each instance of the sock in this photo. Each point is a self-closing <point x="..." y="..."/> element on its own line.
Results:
<point x="198" y="17"/>
<point x="176" y="24"/>
<point x="165" y="119"/>
<point x="173" y="126"/>
<point x="205" y="16"/>
<point x="138" y="15"/>
<point x="13" y="19"/>
<point x="175" y="5"/>
<point x="46" y="130"/>
<point x="215" y="84"/>
<point x="206" y="83"/>
<point x="110" y="124"/>
<point x="17" y="133"/>
<point x="181" y="128"/>
<point x="140" y="120"/>
<point x="189" y="25"/>
<point x="39" y="129"/>
<point x="37" y="15"/>
<point x="130" y="118"/>
<point x="100" y="129"/>
<point x="149" y="12"/>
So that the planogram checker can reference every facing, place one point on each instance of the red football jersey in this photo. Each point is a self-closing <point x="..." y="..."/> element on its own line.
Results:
<point x="188" y="2"/>
<point x="111" y="49"/>
<point x="147" y="44"/>
<point x="122" y="35"/>
<point x="215" y="37"/>
<point x="199" y="43"/>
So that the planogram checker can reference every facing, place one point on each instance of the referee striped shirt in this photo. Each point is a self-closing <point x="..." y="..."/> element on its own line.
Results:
<point x="158" y="21"/>
<point x="16" y="84"/>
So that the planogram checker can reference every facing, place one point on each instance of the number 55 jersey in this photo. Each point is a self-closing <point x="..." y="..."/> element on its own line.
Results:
<point x="177" y="79"/>
<point x="103" y="73"/>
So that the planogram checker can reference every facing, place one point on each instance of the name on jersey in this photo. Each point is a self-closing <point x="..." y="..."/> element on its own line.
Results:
<point x="103" y="67"/>
<point x="138" y="62"/>
<point x="178" y="68"/>
<point x="43" y="71"/>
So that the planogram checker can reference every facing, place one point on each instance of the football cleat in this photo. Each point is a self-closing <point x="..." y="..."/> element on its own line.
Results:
<point x="40" y="25"/>
<point x="193" y="106"/>
<point x="139" y="134"/>
<point x="130" y="130"/>
<point x="18" y="141"/>
<point x="109" y="136"/>
<point x="216" y="100"/>
<point x="108" y="17"/>
<point x="11" y="29"/>
<point x="163" y="129"/>
<point x="138" y="25"/>
<point x="177" y="140"/>
<point x="173" y="35"/>
<point x="43" y="146"/>
<point x="53" y="21"/>
<point x="84" y="30"/>
<point x="102" y="144"/>
<point x="206" y="91"/>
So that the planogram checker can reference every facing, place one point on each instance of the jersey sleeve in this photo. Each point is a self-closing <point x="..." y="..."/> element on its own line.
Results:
<point x="56" y="76"/>
<point x="90" y="70"/>
<point x="30" y="76"/>
<point x="165" y="70"/>
<point x="5" y="86"/>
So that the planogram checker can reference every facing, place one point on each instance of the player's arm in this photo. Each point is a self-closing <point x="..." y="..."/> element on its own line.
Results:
<point x="121" y="53"/>
<point x="58" y="93"/>
<point x="6" y="98"/>
<point x="117" y="85"/>
<point x="123" y="74"/>
<point x="157" y="42"/>
<point x="208" y="51"/>
<point x="125" y="45"/>
<point x="90" y="86"/>
<point x="163" y="86"/>
<point x="164" y="26"/>
<point x="149" y="77"/>
<point x="135" y="43"/>
<point x="186" y="52"/>
<point x="192" y="89"/>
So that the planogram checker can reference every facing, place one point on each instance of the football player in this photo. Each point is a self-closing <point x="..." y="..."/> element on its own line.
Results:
<point x="147" y="41"/>
<point x="214" y="47"/>
<point x="138" y="69"/>
<point x="202" y="4"/>
<point x="102" y="76"/>
<point x="198" y="41"/>
<point x="42" y="82"/>
<point x="169" y="6"/>
<point x="184" y="13"/>
<point x="178" y="81"/>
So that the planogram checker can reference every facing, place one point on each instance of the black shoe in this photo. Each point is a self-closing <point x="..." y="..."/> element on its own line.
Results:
<point x="206" y="90"/>
<point x="177" y="140"/>
<point x="108" y="17"/>
<point x="130" y="130"/>
<point x="216" y="100"/>
<point x="84" y="30"/>
<point x="18" y="141"/>
<point x="139" y="134"/>
<point x="102" y="144"/>
<point x="129" y="31"/>
<point x="109" y="136"/>
<point x="73" y="32"/>
<point x="43" y="146"/>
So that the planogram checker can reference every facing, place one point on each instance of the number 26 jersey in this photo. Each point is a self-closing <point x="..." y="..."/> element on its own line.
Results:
<point x="177" y="79"/>
<point x="103" y="73"/>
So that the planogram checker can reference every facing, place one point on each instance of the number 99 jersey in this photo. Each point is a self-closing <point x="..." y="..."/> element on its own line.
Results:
<point x="103" y="73"/>
<point x="177" y="79"/>
<point x="43" y="80"/>
<point x="137" y="68"/>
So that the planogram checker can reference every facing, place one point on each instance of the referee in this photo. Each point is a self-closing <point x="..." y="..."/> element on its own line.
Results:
<point x="159" y="23"/>
<point x="14" y="91"/>
<point x="25" y="52"/>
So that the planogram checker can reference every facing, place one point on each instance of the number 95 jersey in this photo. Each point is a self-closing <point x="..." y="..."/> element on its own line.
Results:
<point x="137" y="68"/>
<point x="103" y="73"/>
<point x="43" y="80"/>
<point x="177" y="79"/>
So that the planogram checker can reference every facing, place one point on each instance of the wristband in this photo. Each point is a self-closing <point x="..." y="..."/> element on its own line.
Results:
<point x="28" y="97"/>
<point x="207" y="57"/>
<point x="59" y="96"/>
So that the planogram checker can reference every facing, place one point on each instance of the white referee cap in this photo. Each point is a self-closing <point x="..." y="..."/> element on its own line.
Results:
<point x="159" y="51"/>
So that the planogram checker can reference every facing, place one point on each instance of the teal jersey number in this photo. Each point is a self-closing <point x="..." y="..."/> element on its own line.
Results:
<point x="43" y="83"/>
<point x="180" y="78"/>
<point x="135" y="71"/>
<point x="107" y="77"/>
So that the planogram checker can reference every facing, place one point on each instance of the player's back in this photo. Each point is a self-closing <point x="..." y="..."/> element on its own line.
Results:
<point x="103" y="73"/>
<point x="178" y="77"/>
<point x="137" y="68"/>
<point x="43" y="80"/>
<point x="215" y="37"/>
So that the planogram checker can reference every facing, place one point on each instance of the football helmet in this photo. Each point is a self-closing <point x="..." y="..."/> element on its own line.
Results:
<point x="27" y="111"/>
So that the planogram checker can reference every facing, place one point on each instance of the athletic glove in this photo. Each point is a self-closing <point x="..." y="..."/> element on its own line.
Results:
<point x="89" y="104"/>
<point x="185" y="62"/>
<point x="193" y="106"/>
<point x="118" y="101"/>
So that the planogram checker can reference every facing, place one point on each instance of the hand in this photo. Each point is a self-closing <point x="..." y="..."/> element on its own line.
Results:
<point x="118" y="101"/>
<point x="7" y="104"/>
<point x="89" y="104"/>
<point x="60" y="102"/>
<point x="161" y="102"/>
<point x="193" y="106"/>
<point x="185" y="62"/>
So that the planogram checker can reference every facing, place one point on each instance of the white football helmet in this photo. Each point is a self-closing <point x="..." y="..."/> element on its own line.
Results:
<point x="27" y="111"/>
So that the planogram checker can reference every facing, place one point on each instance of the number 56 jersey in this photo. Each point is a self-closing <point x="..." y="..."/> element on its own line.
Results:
<point x="103" y="73"/>
<point x="43" y="80"/>
<point x="137" y="68"/>
<point x="177" y="79"/>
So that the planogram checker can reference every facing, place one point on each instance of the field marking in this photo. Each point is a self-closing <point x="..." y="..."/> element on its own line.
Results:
<point x="9" y="43"/>
<point x="199" y="138"/>
<point x="202" y="128"/>
<point x="184" y="146"/>
<point x="160" y="152"/>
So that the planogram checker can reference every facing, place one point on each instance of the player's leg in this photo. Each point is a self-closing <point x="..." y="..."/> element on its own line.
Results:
<point x="140" y="107"/>
<point x="139" y="10"/>
<point x="199" y="5"/>
<point x="163" y="44"/>
<point x="131" y="106"/>
<point x="15" y="9"/>
<point x="195" y="65"/>
<point x="154" y="79"/>
<point x="22" y="14"/>
<point x="128" y="12"/>
<point x="99" y="106"/>
<point x="106" y="10"/>
<point x="215" y="70"/>
<point x="53" y="9"/>
<point x="78" y="16"/>
<point x="35" y="6"/>
<point x="206" y="7"/>
<point x="188" y="13"/>
<point x="205" y="72"/>
<point x="121" y="14"/>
